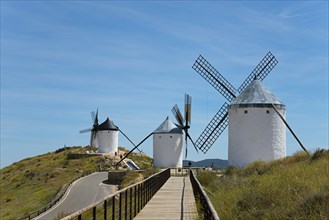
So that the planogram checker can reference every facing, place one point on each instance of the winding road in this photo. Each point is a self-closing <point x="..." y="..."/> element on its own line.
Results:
<point x="82" y="193"/>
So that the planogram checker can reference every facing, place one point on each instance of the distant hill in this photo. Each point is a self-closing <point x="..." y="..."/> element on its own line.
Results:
<point x="215" y="163"/>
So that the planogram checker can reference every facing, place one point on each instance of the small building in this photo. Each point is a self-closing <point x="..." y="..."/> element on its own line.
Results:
<point x="107" y="137"/>
<point x="167" y="145"/>
<point x="256" y="132"/>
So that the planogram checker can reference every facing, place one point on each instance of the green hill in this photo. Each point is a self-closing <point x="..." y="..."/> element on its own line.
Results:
<point x="296" y="187"/>
<point x="33" y="182"/>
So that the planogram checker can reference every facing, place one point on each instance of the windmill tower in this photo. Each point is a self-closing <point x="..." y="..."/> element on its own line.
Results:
<point x="220" y="121"/>
<point x="107" y="137"/>
<point x="104" y="136"/>
<point x="255" y="132"/>
<point x="168" y="138"/>
<point x="167" y="145"/>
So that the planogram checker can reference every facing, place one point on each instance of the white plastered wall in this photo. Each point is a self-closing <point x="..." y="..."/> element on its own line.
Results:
<point x="94" y="141"/>
<point x="255" y="134"/>
<point x="167" y="150"/>
<point x="107" y="141"/>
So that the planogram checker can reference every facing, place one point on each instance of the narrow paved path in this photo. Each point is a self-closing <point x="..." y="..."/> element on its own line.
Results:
<point x="80" y="194"/>
<point x="175" y="200"/>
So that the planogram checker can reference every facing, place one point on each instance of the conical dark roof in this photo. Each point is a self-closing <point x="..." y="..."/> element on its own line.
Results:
<point x="257" y="95"/>
<point x="168" y="127"/>
<point x="107" y="125"/>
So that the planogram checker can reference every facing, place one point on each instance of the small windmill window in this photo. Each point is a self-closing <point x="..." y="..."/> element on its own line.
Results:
<point x="268" y="111"/>
<point x="170" y="136"/>
<point x="159" y="137"/>
<point x="246" y="111"/>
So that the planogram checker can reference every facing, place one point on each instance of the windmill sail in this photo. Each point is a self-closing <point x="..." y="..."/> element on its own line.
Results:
<point x="186" y="121"/>
<point x="220" y="121"/>
<point x="215" y="127"/>
<point x="178" y="115"/>
<point x="188" y="102"/>
<point x="210" y="74"/>
<point x="261" y="70"/>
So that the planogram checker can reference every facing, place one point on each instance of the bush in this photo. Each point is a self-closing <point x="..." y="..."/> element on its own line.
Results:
<point x="291" y="188"/>
<point x="206" y="177"/>
<point x="231" y="170"/>
<point x="315" y="206"/>
<point x="62" y="149"/>
<point x="130" y="178"/>
<point x="258" y="167"/>
<point x="320" y="153"/>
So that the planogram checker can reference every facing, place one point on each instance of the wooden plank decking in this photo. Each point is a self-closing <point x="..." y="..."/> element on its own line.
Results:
<point x="175" y="200"/>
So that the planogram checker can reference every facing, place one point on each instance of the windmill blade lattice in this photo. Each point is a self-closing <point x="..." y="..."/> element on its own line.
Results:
<point x="85" y="130"/>
<point x="220" y="121"/>
<point x="215" y="127"/>
<point x="209" y="73"/>
<point x="261" y="70"/>
<point x="178" y="115"/>
<point x="188" y="103"/>
<point x="93" y="116"/>
<point x="186" y="121"/>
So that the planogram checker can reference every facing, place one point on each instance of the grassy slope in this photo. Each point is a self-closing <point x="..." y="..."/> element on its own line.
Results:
<point x="33" y="182"/>
<point x="293" y="188"/>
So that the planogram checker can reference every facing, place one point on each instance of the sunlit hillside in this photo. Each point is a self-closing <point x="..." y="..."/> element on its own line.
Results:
<point x="293" y="188"/>
<point x="33" y="182"/>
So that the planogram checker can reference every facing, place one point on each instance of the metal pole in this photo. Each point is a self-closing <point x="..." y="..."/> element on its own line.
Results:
<point x="105" y="210"/>
<point x="94" y="213"/>
<point x="113" y="208"/>
<point x="129" y="140"/>
<point x="131" y="202"/>
<point x="285" y="122"/>
<point x="132" y="150"/>
<point x="135" y="200"/>
<point x="120" y="205"/>
<point x="126" y="204"/>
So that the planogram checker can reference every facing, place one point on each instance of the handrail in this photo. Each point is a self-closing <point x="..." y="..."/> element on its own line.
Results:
<point x="125" y="203"/>
<point x="57" y="198"/>
<point x="207" y="208"/>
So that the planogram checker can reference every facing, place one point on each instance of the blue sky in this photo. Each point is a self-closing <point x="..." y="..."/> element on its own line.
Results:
<point x="60" y="60"/>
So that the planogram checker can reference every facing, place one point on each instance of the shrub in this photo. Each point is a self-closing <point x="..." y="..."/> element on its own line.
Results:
<point x="290" y="188"/>
<point x="62" y="149"/>
<point x="320" y="153"/>
<point x="231" y="170"/>
<point x="130" y="178"/>
<point x="258" y="167"/>
<point x="315" y="206"/>
<point x="206" y="177"/>
<point x="297" y="157"/>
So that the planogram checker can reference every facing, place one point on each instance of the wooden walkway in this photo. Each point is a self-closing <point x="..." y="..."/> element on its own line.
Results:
<point x="175" y="200"/>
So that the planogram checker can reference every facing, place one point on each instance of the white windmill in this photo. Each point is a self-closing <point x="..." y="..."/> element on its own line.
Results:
<point x="167" y="145"/>
<point x="104" y="136"/>
<point x="255" y="129"/>
<point x="107" y="137"/>
<point x="168" y="138"/>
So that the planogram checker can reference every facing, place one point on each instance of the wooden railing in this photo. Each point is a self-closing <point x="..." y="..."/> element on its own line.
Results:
<point x="208" y="211"/>
<point x="125" y="203"/>
<point x="128" y="202"/>
<point x="57" y="198"/>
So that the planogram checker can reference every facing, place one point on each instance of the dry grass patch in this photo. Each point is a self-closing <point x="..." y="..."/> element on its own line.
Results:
<point x="292" y="188"/>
